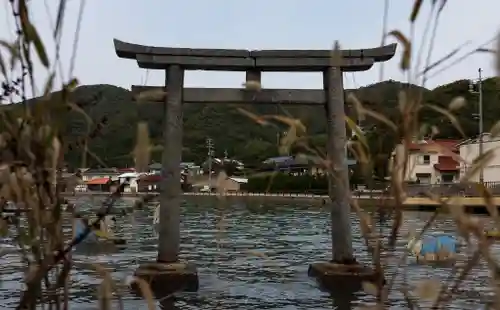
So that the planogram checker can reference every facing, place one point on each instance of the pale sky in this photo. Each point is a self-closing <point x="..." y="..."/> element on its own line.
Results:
<point x="257" y="24"/>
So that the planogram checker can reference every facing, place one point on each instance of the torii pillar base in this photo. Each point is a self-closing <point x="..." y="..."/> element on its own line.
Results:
<point x="334" y="277"/>
<point x="165" y="279"/>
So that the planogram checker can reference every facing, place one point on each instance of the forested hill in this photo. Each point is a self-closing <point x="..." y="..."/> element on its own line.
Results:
<point x="240" y="136"/>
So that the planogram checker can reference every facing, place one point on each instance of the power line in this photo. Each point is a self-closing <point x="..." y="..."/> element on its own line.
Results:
<point x="458" y="60"/>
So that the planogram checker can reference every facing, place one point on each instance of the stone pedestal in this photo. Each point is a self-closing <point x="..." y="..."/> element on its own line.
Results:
<point x="168" y="278"/>
<point x="334" y="277"/>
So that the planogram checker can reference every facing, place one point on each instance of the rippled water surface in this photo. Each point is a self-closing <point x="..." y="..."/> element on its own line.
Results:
<point x="233" y="273"/>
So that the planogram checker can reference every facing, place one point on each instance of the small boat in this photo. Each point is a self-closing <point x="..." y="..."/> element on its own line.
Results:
<point x="434" y="249"/>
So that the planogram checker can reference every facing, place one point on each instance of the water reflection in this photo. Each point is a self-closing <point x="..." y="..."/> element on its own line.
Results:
<point x="257" y="258"/>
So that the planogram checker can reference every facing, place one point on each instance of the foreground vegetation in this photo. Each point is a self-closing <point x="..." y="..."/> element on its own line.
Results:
<point x="92" y="124"/>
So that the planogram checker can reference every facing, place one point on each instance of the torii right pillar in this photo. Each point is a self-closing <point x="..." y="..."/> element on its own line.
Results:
<point x="343" y="272"/>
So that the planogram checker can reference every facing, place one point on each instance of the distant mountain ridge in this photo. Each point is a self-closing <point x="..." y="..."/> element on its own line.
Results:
<point x="115" y="109"/>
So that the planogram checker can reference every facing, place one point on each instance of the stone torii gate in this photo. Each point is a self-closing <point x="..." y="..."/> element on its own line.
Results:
<point x="168" y="270"/>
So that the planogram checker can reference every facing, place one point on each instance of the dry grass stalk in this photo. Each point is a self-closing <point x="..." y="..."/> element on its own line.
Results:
<point x="31" y="154"/>
<point x="407" y="129"/>
<point x="31" y="158"/>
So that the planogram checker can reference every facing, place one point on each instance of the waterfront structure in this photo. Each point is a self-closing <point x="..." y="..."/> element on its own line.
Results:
<point x="100" y="173"/>
<point x="168" y="273"/>
<point x="296" y="165"/>
<point x="130" y="178"/>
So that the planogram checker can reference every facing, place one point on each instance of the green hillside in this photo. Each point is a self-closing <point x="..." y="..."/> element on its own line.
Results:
<point x="115" y="114"/>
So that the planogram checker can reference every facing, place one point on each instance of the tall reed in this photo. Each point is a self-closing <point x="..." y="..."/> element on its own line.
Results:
<point x="32" y="151"/>
<point x="418" y="65"/>
<point x="32" y="156"/>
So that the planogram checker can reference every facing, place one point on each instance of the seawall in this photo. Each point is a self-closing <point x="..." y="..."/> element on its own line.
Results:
<point x="285" y="198"/>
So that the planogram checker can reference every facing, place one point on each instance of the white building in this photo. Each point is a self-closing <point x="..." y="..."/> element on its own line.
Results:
<point x="431" y="162"/>
<point x="469" y="151"/>
<point x="131" y="178"/>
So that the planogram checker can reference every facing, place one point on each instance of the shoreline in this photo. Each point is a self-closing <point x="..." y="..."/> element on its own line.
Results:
<point x="245" y="197"/>
<point x="364" y="201"/>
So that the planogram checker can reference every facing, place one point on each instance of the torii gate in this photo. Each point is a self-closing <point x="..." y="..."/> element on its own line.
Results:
<point x="167" y="270"/>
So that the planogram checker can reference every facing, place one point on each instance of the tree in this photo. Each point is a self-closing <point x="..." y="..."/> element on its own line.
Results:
<point x="114" y="112"/>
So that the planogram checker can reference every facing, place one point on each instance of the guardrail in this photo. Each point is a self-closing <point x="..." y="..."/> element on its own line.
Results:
<point x="453" y="189"/>
<point x="366" y="194"/>
<point x="246" y="194"/>
<point x="374" y="195"/>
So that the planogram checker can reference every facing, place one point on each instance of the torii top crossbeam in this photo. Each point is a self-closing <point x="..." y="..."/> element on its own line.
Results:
<point x="152" y="57"/>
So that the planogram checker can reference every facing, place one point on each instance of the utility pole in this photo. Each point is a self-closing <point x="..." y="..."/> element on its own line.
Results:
<point x="210" y="147"/>
<point x="479" y="91"/>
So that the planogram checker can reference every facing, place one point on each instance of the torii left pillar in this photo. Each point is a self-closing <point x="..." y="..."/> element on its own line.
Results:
<point x="168" y="274"/>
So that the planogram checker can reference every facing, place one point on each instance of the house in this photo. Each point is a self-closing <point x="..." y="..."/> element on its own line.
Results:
<point x="222" y="181"/>
<point x="149" y="183"/>
<point x="131" y="178"/>
<point x="99" y="184"/>
<point x="288" y="164"/>
<point x="219" y="164"/>
<point x="155" y="168"/>
<point x="152" y="182"/>
<point x="191" y="169"/>
<point x="101" y="173"/>
<point x="296" y="165"/>
<point x="432" y="161"/>
<point x="233" y="184"/>
<point x="469" y="151"/>
<point x="292" y="165"/>
<point x="68" y="181"/>
<point x="188" y="167"/>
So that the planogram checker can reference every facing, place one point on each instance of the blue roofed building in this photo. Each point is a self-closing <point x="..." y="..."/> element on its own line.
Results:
<point x="297" y="165"/>
<point x="280" y="161"/>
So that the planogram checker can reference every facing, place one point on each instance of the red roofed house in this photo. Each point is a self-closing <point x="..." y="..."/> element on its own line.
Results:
<point x="152" y="182"/>
<point x="149" y="183"/>
<point x="433" y="162"/>
<point x="99" y="185"/>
